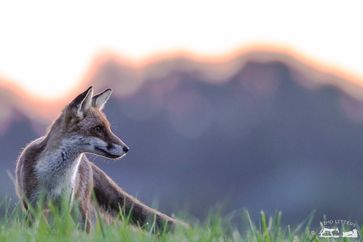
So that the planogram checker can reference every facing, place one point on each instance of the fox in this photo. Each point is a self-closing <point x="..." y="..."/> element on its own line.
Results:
<point x="55" y="166"/>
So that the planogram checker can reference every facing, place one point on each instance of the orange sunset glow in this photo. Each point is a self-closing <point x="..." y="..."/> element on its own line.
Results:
<point x="47" y="48"/>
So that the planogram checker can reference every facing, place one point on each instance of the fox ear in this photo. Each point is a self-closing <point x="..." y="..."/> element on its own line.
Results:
<point x="99" y="100"/>
<point x="82" y="103"/>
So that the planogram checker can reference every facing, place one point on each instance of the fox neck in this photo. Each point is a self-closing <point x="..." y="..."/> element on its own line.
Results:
<point x="57" y="167"/>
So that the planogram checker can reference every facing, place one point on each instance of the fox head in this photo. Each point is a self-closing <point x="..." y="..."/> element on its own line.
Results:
<point x="85" y="126"/>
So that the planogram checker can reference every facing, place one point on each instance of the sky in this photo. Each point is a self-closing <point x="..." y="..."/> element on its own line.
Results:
<point x="47" y="46"/>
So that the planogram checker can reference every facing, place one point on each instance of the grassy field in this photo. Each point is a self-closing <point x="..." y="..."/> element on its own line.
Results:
<point x="14" y="228"/>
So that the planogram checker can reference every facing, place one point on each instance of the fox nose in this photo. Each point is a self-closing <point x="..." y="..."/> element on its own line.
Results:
<point x="125" y="149"/>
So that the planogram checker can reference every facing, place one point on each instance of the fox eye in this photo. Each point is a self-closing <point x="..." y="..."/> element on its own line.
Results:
<point x="98" y="128"/>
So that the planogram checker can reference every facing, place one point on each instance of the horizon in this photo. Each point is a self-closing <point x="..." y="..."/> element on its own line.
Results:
<point x="214" y="69"/>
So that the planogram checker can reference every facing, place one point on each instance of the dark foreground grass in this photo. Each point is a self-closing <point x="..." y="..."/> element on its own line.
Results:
<point x="14" y="227"/>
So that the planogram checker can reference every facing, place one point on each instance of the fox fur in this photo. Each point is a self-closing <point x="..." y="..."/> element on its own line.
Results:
<point x="56" y="165"/>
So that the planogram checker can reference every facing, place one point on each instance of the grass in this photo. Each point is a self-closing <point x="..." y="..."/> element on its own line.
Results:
<point x="14" y="227"/>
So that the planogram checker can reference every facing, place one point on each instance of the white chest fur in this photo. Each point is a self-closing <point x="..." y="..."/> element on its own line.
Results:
<point x="57" y="171"/>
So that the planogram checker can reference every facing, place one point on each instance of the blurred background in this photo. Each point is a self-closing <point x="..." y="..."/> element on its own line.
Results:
<point x="231" y="104"/>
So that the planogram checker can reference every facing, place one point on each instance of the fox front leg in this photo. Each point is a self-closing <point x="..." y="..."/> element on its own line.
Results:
<point x="87" y="217"/>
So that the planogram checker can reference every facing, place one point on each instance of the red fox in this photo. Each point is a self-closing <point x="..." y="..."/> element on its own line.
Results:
<point x="56" y="166"/>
